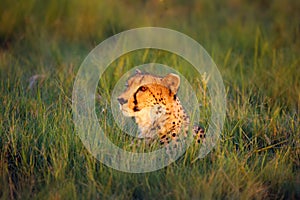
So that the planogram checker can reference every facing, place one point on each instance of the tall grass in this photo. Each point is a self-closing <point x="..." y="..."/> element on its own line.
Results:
<point x="255" y="45"/>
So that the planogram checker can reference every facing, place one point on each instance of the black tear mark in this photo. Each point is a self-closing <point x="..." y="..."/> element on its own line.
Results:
<point x="134" y="97"/>
<point x="170" y="92"/>
<point x="142" y="88"/>
<point x="174" y="97"/>
<point x="136" y="109"/>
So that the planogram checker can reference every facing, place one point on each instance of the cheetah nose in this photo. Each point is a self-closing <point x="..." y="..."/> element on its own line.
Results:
<point x="122" y="101"/>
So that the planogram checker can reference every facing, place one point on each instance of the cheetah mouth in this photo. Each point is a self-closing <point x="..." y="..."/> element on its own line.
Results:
<point x="125" y="111"/>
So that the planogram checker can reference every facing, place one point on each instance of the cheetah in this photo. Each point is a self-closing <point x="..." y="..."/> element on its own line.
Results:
<point x="153" y="102"/>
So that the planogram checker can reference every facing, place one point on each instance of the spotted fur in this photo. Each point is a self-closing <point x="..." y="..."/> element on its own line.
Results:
<point x="157" y="110"/>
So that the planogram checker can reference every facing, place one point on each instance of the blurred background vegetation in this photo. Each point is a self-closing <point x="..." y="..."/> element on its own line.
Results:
<point x="49" y="32"/>
<point x="256" y="46"/>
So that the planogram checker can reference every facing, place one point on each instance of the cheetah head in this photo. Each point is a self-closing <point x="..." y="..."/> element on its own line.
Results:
<point x="145" y="90"/>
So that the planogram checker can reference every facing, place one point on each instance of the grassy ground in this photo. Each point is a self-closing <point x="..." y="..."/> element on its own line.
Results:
<point x="256" y="46"/>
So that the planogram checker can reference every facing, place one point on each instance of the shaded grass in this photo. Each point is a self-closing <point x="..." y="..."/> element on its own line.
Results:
<point x="256" y="47"/>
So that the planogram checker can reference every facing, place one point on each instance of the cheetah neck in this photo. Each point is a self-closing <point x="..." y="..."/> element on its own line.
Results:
<point x="161" y="120"/>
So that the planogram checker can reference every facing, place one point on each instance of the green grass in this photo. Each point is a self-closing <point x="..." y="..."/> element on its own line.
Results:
<point x="256" y="47"/>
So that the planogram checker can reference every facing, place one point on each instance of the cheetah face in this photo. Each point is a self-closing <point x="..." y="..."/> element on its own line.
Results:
<point x="145" y="91"/>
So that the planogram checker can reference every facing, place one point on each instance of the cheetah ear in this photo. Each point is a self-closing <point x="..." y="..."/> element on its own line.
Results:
<point x="137" y="71"/>
<point x="172" y="81"/>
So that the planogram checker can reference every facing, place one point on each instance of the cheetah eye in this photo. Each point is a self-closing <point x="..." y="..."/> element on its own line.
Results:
<point x="143" y="88"/>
